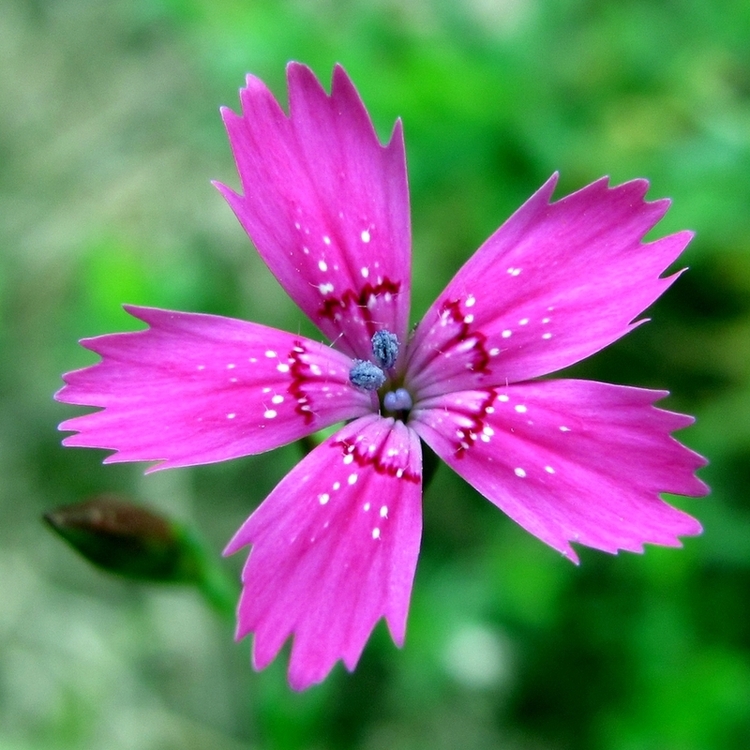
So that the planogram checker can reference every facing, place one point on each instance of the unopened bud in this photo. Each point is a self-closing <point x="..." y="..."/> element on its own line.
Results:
<point x="124" y="538"/>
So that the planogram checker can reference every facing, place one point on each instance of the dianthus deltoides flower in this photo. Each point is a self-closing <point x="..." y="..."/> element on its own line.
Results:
<point x="335" y="545"/>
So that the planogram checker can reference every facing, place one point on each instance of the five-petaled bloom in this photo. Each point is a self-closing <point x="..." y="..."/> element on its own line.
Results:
<point x="335" y="545"/>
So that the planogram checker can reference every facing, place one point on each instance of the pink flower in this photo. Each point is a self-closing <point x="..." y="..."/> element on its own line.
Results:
<point x="335" y="545"/>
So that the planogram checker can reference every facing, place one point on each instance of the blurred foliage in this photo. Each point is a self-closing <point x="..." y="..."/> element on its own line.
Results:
<point x="109" y="134"/>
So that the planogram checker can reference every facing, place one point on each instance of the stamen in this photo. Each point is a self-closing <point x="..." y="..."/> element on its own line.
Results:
<point x="385" y="348"/>
<point x="366" y="375"/>
<point x="398" y="400"/>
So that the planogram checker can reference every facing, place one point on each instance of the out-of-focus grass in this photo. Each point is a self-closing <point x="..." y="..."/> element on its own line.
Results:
<point x="109" y="135"/>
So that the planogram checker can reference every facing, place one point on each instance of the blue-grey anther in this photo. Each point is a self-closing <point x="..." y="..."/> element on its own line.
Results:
<point x="398" y="400"/>
<point x="385" y="348"/>
<point x="366" y="375"/>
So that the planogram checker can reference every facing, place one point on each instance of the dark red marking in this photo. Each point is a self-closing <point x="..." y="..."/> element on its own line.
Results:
<point x="481" y="359"/>
<point x="300" y="375"/>
<point x="470" y="435"/>
<point x="375" y="459"/>
<point x="350" y="298"/>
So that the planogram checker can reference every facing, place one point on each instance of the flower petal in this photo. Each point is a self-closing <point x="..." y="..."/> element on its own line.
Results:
<point x="326" y="205"/>
<point x="335" y="547"/>
<point x="570" y="460"/>
<point x="556" y="283"/>
<point x="194" y="389"/>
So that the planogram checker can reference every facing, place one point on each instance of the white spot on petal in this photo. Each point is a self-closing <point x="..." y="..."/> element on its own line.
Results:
<point x="523" y="321"/>
<point x="326" y="239"/>
<point x="549" y="469"/>
<point x="384" y="511"/>
<point x="366" y="506"/>
<point x="348" y="458"/>
<point x="365" y="236"/>
<point x="563" y="428"/>
<point x="503" y="397"/>
<point x="365" y="271"/>
<point x="352" y="478"/>
<point x="468" y="319"/>
<point x="271" y="354"/>
<point x="277" y="400"/>
<point x="506" y="333"/>
<point x="324" y="498"/>
<point x="336" y="485"/>
<point x="520" y="408"/>
<point x="470" y="301"/>
<point x="231" y="415"/>
<point x="269" y="413"/>
<point x="376" y="533"/>
<point x="546" y="335"/>
<point x="519" y="472"/>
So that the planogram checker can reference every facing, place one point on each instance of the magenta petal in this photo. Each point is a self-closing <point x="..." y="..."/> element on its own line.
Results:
<point x="556" y="283"/>
<point x="570" y="460"/>
<point x="335" y="548"/>
<point x="194" y="389"/>
<point x="326" y="205"/>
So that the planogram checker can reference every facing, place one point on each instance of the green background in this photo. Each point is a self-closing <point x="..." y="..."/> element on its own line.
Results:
<point x="109" y="135"/>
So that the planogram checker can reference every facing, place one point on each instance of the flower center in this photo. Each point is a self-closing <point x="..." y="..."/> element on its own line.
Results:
<point x="398" y="400"/>
<point x="379" y="375"/>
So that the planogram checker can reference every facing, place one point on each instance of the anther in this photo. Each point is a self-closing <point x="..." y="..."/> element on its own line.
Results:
<point x="366" y="375"/>
<point x="385" y="348"/>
